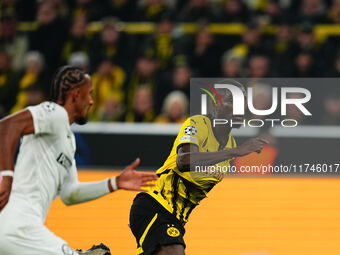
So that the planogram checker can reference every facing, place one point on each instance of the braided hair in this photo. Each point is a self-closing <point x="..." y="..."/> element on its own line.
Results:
<point x="65" y="78"/>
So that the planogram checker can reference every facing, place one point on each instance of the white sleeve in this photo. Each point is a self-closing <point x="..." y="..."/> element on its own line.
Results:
<point x="74" y="192"/>
<point x="48" y="117"/>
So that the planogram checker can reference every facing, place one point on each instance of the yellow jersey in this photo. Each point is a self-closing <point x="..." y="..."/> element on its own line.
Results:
<point x="181" y="191"/>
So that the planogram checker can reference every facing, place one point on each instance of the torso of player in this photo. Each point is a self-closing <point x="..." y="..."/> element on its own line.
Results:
<point x="180" y="192"/>
<point x="44" y="160"/>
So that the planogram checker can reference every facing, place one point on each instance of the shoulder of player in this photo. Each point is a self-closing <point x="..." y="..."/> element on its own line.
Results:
<point x="200" y="121"/>
<point x="52" y="106"/>
<point x="196" y="125"/>
<point x="56" y="111"/>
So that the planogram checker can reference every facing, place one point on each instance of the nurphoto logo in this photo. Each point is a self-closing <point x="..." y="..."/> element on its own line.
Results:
<point x="241" y="100"/>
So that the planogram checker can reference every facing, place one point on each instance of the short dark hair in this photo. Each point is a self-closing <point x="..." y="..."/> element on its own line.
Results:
<point x="65" y="78"/>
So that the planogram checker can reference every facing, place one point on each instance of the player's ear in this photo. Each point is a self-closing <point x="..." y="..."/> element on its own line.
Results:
<point x="76" y="94"/>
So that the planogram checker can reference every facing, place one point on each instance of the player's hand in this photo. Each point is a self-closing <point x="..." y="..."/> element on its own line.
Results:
<point x="5" y="190"/>
<point x="251" y="145"/>
<point x="130" y="179"/>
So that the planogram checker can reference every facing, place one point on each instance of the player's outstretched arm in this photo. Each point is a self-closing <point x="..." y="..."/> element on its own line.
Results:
<point x="74" y="192"/>
<point x="189" y="155"/>
<point x="11" y="129"/>
<point x="130" y="179"/>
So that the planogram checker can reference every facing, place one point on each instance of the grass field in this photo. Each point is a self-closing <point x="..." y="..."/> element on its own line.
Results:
<point x="279" y="216"/>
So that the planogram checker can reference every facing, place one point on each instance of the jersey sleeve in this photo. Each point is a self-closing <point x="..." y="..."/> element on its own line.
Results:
<point x="193" y="131"/>
<point x="48" y="117"/>
<point x="73" y="192"/>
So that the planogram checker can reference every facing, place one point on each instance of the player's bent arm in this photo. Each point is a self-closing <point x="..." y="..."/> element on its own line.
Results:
<point x="74" y="192"/>
<point x="188" y="155"/>
<point x="11" y="129"/>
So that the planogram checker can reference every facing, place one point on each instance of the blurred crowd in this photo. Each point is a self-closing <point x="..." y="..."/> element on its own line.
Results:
<point x="145" y="77"/>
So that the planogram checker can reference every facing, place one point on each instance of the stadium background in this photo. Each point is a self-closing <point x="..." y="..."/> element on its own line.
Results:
<point x="141" y="55"/>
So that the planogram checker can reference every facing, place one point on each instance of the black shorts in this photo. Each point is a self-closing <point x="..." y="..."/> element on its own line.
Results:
<point x="153" y="226"/>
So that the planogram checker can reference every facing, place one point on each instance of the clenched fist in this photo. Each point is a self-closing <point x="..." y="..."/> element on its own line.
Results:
<point x="251" y="145"/>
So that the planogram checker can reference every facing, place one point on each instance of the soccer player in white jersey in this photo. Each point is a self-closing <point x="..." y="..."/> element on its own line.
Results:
<point x="45" y="167"/>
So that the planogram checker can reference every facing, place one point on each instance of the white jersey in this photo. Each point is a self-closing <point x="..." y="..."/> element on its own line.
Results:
<point x="45" y="168"/>
<point x="45" y="159"/>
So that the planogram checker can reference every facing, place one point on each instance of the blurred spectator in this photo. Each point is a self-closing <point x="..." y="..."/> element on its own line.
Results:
<point x="306" y="40"/>
<point x="7" y="8"/>
<point x="334" y="12"/>
<point x="304" y="65"/>
<point x="204" y="54"/>
<point x="162" y="41"/>
<point x="107" y="83"/>
<point x="252" y="40"/>
<point x="81" y="60"/>
<point x="152" y="10"/>
<point x="181" y="78"/>
<point x="306" y="44"/>
<point x="143" y="75"/>
<point x="50" y="34"/>
<point x="142" y="106"/>
<point x="252" y="44"/>
<point x="108" y="44"/>
<point x="273" y="12"/>
<point x="8" y="85"/>
<point x="61" y="7"/>
<point x="283" y="50"/>
<point x="125" y="10"/>
<point x="111" y="110"/>
<point x="177" y="78"/>
<point x="268" y="13"/>
<point x="31" y="82"/>
<point x="231" y="66"/>
<point x="34" y="95"/>
<point x="77" y="40"/>
<point x="196" y="10"/>
<point x="331" y="106"/>
<point x="256" y="5"/>
<point x="12" y="42"/>
<point x="233" y="11"/>
<point x="313" y="11"/>
<point x="175" y="108"/>
<point x="259" y="66"/>
<point x="93" y="10"/>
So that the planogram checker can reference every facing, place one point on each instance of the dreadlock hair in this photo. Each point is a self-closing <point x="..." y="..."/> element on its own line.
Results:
<point x="65" y="79"/>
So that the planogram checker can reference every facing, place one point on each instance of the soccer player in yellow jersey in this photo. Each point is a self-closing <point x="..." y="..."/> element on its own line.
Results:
<point x="157" y="218"/>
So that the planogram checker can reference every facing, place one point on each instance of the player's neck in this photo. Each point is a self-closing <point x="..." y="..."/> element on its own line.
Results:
<point x="221" y="133"/>
<point x="70" y="112"/>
